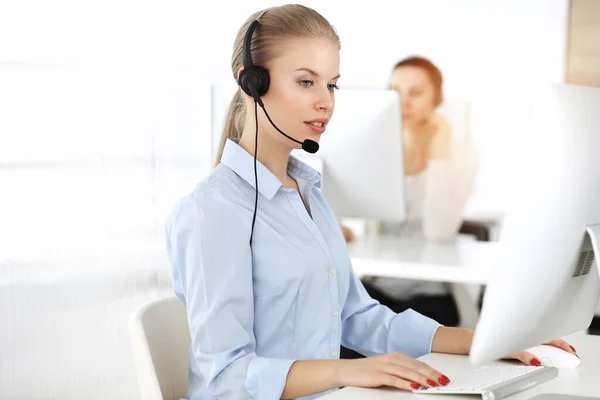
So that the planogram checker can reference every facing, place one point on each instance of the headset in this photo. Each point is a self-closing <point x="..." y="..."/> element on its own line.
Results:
<point x="254" y="80"/>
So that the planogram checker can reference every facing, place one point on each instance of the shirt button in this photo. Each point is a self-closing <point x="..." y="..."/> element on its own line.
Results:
<point x="334" y="354"/>
<point x="332" y="271"/>
<point x="335" y="313"/>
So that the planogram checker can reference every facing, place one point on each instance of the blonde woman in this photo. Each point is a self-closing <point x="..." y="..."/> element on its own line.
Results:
<point x="267" y="318"/>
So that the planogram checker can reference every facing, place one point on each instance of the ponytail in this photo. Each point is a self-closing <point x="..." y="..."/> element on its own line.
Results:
<point x="234" y="123"/>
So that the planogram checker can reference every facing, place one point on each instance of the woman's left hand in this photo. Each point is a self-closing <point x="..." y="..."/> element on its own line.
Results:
<point x="530" y="359"/>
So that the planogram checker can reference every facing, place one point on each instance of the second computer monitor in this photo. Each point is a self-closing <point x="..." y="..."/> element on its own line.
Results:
<point x="546" y="282"/>
<point x="361" y="156"/>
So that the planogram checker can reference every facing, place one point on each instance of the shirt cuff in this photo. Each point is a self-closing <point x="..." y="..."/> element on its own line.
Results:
<point x="412" y="334"/>
<point x="267" y="377"/>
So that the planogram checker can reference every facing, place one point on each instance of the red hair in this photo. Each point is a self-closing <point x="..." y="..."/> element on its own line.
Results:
<point x="433" y="72"/>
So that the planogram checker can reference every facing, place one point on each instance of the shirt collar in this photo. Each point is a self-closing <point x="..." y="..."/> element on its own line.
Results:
<point x="242" y="163"/>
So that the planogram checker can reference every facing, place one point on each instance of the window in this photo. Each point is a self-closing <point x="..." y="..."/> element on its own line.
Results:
<point x="102" y="127"/>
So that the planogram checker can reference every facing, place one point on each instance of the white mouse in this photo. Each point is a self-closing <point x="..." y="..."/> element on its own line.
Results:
<point x="551" y="356"/>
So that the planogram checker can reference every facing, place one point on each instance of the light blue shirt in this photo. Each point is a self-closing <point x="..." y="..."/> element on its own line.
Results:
<point x="253" y="312"/>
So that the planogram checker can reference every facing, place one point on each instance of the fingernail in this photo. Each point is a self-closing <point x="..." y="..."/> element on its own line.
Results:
<point x="431" y="383"/>
<point x="415" y="386"/>
<point x="573" y="348"/>
<point x="535" y="362"/>
<point x="444" y="380"/>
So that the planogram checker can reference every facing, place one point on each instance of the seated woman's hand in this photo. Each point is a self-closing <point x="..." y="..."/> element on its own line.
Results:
<point x="348" y="234"/>
<point x="530" y="359"/>
<point x="393" y="370"/>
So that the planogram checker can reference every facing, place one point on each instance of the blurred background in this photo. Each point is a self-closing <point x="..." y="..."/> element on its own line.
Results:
<point x="111" y="111"/>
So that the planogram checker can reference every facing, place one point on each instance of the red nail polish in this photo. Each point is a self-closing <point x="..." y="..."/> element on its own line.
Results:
<point x="573" y="348"/>
<point x="535" y="362"/>
<point x="415" y="386"/>
<point x="431" y="383"/>
<point x="444" y="380"/>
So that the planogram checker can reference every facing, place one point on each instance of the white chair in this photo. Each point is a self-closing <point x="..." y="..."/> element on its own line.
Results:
<point x="160" y="340"/>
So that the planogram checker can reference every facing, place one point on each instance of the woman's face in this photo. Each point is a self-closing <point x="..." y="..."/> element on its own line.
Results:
<point x="300" y="99"/>
<point x="417" y="94"/>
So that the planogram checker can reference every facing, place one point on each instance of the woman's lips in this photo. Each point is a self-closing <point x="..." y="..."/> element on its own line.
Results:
<point x="316" y="129"/>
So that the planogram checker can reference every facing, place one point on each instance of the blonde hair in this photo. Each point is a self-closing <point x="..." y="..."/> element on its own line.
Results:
<point x="277" y="24"/>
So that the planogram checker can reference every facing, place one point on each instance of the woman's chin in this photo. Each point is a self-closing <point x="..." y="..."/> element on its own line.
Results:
<point x="408" y="124"/>
<point x="414" y="123"/>
<point x="315" y="137"/>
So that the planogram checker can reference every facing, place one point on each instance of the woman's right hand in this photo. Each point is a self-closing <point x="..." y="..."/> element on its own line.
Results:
<point x="393" y="369"/>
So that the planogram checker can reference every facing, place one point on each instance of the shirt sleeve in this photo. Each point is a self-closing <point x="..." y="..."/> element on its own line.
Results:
<point x="208" y="246"/>
<point x="373" y="329"/>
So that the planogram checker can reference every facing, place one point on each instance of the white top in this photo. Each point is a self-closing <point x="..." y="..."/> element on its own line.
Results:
<point x="414" y="193"/>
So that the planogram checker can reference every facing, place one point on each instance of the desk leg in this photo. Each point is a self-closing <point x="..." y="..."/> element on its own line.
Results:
<point x="468" y="310"/>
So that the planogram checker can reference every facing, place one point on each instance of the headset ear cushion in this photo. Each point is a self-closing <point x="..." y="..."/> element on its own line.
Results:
<point x="264" y="79"/>
<point x="257" y="76"/>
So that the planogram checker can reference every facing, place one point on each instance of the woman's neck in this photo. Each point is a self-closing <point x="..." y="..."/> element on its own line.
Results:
<point x="274" y="156"/>
<point x="419" y="135"/>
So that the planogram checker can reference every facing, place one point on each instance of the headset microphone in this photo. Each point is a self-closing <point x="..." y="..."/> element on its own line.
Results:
<point x="310" y="146"/>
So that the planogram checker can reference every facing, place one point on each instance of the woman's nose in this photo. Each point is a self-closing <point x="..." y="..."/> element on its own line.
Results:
<point x="324" y="102"/>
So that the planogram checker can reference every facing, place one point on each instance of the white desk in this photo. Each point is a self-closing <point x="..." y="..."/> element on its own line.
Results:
<point x="465" y="261"/>
<point x="581" y="381"/>
<point x="461" y="263"/>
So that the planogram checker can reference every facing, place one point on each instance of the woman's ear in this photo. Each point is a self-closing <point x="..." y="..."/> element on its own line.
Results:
<point x="245" y="96"/>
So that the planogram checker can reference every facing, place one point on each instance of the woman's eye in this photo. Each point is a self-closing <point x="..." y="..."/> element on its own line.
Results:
<point x="305" y="83"/>
<point x="332" y="87"/>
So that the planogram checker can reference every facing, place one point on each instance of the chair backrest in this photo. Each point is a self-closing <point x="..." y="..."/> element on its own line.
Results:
<point x="160" y="341"/>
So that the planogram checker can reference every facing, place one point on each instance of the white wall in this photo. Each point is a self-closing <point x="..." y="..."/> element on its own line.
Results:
<point x="491" y="54"/>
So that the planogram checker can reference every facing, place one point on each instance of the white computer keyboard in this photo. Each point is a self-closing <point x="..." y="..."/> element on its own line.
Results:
<point x="494" y="382"/>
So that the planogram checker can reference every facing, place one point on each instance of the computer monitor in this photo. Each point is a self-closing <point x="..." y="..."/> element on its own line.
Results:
<point x="361" y="156"/>
<point x="546" y="282"/>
